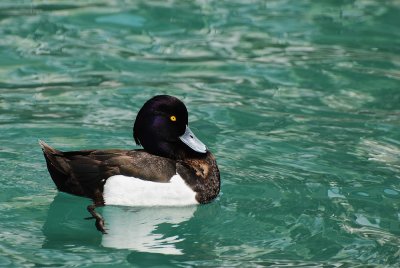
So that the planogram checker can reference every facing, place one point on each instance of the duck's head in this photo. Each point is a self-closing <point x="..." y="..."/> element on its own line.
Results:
<point x="161" y="127"/>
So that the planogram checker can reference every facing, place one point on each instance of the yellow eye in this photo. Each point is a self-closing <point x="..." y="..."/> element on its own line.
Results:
<point x="173" y="118"/>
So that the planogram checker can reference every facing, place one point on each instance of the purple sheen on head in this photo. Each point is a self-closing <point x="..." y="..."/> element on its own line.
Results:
<point x="157" y="133"/>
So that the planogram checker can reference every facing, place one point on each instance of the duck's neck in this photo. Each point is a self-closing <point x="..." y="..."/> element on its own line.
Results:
<point x="175" y="151"/>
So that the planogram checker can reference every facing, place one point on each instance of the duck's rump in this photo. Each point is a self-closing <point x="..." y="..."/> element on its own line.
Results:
<point x="84" y="173"/>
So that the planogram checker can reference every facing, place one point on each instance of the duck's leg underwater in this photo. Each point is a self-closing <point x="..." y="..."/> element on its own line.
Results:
<point x="99" y="219"/>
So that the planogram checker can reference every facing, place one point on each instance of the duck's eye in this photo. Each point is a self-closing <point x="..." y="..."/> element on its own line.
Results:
<point x="173" y="118"/>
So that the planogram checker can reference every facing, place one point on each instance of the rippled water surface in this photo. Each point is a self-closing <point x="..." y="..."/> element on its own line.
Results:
<point x="298" y="100"/>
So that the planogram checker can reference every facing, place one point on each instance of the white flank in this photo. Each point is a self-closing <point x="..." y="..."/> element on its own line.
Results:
<point x="130" y="191"/>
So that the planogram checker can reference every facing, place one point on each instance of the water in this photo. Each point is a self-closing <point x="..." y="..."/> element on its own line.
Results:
<point x="298" y="100"/>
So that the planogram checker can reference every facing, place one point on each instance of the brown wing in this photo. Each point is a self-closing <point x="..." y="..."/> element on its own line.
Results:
<point x="84" y="173"/>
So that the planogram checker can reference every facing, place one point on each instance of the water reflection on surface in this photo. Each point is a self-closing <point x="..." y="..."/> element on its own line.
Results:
<point x="137" y="228"/>
<point x="127" y="227"/>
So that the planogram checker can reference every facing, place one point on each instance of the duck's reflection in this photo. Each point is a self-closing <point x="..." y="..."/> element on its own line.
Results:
<point x="137" y="228"/>
<point x="143" y="229"/>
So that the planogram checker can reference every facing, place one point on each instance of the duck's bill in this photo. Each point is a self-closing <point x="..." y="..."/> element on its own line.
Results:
<point x="194" y="143"/>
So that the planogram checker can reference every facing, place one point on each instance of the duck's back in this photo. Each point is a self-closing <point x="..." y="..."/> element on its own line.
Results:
<point x="84" y="173"/>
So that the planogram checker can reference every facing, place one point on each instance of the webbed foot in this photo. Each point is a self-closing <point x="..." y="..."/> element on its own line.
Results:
<point x="99" y="219"/>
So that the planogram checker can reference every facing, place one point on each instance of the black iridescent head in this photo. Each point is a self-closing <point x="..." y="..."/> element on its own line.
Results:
<point x="161" y="127"/>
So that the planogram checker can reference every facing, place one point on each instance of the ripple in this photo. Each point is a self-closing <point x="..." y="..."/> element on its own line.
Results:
<point x="381" y="152"/>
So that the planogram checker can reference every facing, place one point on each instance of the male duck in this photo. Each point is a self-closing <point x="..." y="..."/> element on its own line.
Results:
<point x="175" y="168"/>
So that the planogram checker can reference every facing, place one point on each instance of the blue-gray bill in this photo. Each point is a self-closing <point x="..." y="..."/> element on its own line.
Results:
<point x="194" y="143"/>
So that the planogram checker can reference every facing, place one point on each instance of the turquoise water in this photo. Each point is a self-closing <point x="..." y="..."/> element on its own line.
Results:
<point x="298" y="100"/>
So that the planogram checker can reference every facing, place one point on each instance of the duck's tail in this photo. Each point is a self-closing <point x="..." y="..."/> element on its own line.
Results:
<point x="46" y="148"/>
<point x="56" y="164"/>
